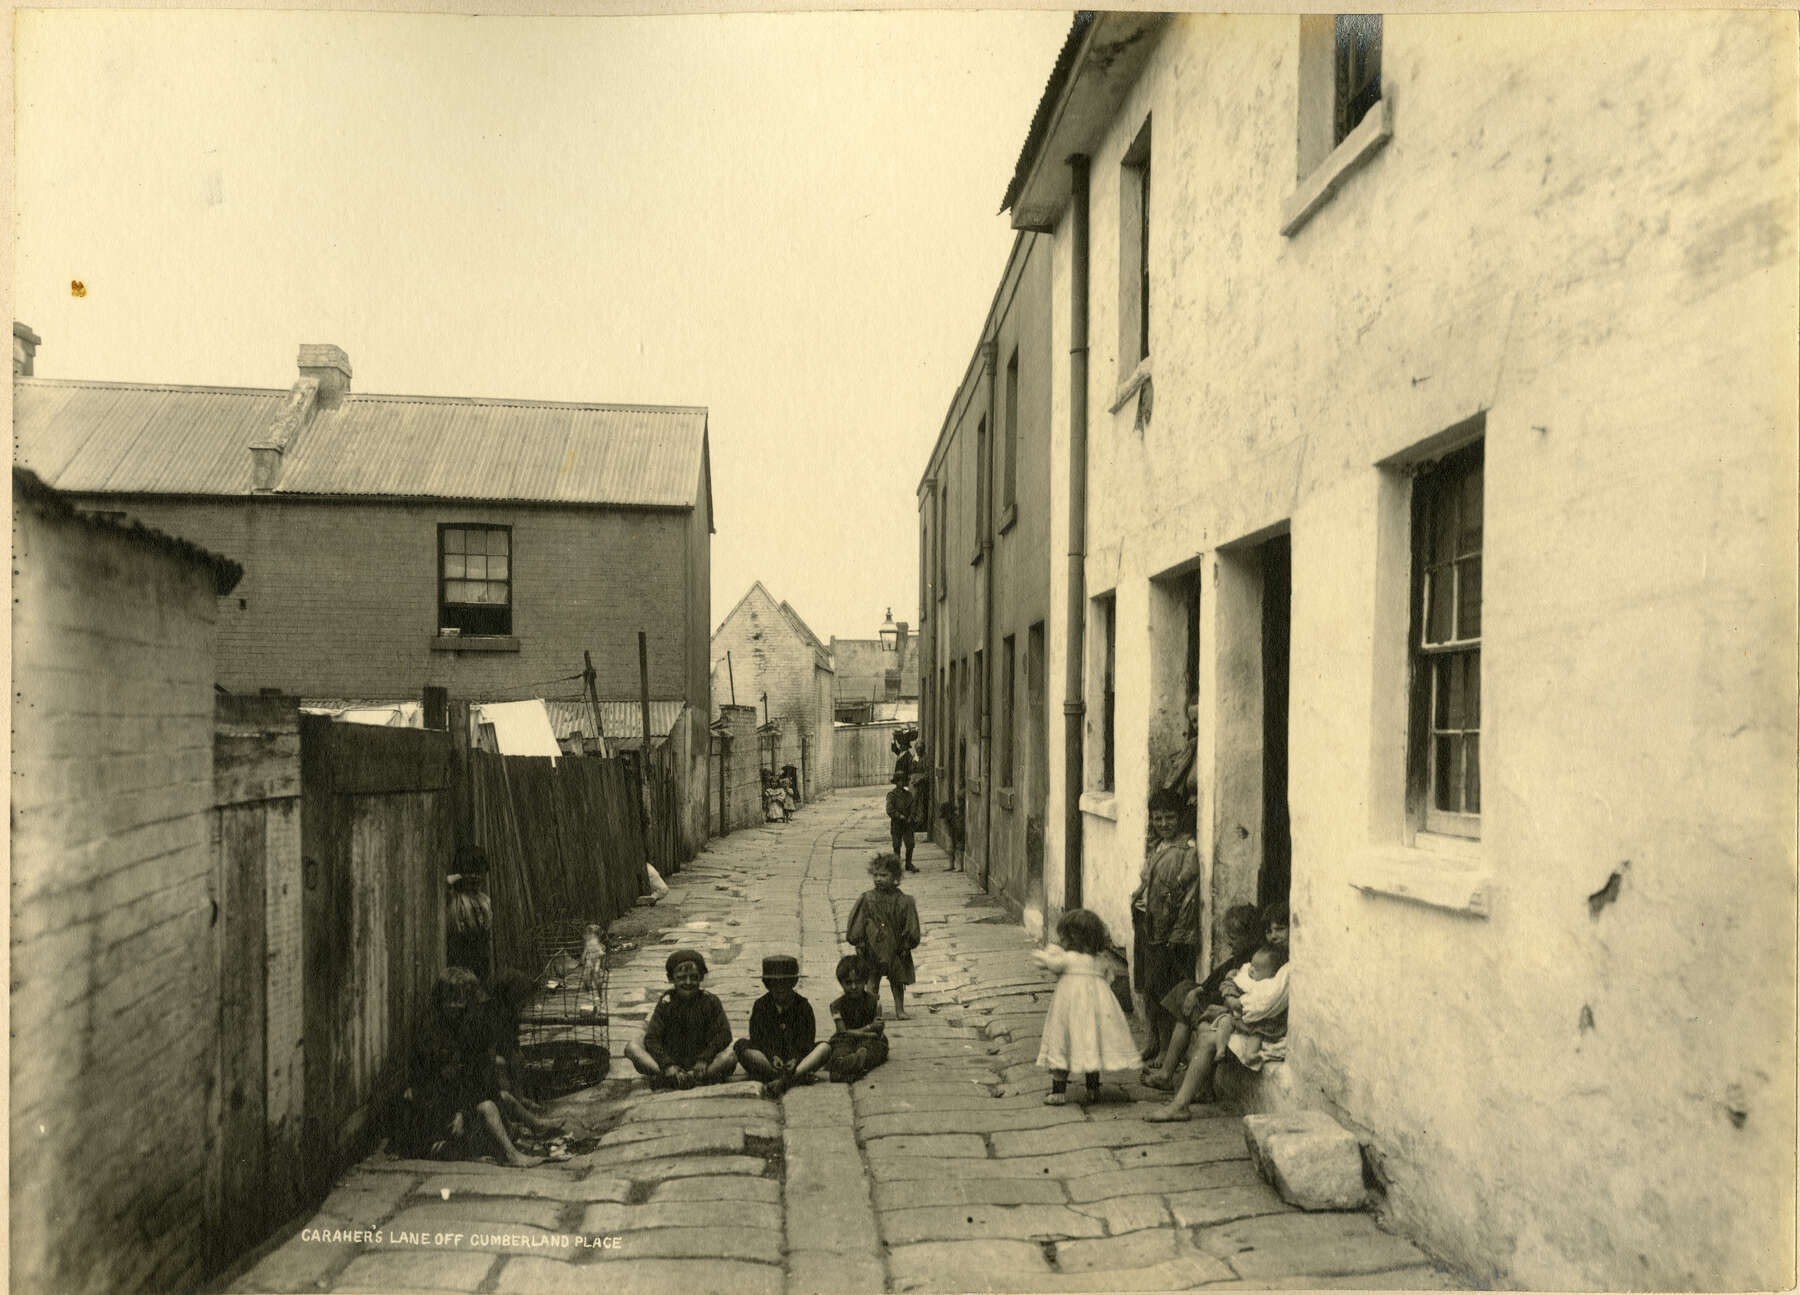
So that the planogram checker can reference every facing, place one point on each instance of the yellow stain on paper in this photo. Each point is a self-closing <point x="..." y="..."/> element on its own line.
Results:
<point x="77" y="288"/>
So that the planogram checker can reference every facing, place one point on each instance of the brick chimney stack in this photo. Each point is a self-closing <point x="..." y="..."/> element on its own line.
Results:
<point x="331" y="367"/>
<point x="25" y="344"/>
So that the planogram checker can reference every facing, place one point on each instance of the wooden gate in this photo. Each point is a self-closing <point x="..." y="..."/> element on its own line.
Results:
<point x="376" y="838"/>
<point x="861" y="754"/>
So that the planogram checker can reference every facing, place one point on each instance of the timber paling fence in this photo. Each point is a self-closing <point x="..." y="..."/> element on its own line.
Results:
<point x="563" y="842"/>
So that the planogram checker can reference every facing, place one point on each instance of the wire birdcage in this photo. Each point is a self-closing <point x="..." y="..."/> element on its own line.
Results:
<point x="564" y="1032"/>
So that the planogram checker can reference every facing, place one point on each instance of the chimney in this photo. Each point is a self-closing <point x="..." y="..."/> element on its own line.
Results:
<point x="25" y="344"/>
<point x="323" y="382"/>
<point x="331" y="367"/>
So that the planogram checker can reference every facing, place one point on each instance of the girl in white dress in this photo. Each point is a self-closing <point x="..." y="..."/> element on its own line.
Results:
<point x="1086" y="1031"/>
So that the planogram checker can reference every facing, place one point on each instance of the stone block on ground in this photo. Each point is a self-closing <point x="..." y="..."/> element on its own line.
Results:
<point x="969" y="1266"/>
<point x="978" y="1222"/>
<point x="829" y="1272"/>
<point x="1319" y="1245"/>
<point x="1309" y="1158"/>
<point x="640" y="1276"/>
<point x="412" y="1270"/>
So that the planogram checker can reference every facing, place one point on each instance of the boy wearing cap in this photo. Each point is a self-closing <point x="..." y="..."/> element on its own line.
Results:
<point x="782" y="1049"/>
<point x="688" y="1039"/>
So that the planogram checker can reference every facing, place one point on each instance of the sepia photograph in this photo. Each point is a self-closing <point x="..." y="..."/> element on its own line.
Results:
<point x="859" y="651"/>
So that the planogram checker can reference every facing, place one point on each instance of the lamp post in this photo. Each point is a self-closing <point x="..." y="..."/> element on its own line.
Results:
<point x="890" y="633"/>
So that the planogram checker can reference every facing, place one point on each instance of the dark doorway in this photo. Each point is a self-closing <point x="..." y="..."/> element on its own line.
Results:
<point x="1277" y="585"/>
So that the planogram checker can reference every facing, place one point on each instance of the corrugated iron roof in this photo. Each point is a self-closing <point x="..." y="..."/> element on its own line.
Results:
<point x="623" y="719"/>
<point x="1039" y="129"/>
<point x="124" y="438"/>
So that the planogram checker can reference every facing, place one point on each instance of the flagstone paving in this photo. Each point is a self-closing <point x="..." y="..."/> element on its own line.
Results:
<point x="941" y="1171"/>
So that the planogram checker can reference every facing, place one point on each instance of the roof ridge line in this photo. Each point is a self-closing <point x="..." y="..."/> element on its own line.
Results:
<point x="205" y="388"/>
<point x="515" y="402"/>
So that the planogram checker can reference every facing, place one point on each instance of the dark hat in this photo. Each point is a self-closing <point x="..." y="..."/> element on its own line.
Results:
<point x="680" y="956"/>
<point x="780" y="966"/>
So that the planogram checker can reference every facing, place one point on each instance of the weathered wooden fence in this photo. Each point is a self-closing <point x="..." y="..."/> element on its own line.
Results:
<point x="861" y="754"/>
<point x="376" y="836"/>
<point x="563" y="842"/>
<point x="255" y="1179"/>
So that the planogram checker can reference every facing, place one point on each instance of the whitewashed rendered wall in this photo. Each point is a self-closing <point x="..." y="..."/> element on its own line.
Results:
<point x="1583" y="226"/>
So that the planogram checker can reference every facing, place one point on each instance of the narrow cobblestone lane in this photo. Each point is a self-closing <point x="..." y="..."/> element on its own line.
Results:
<point x="942" y="1171"/>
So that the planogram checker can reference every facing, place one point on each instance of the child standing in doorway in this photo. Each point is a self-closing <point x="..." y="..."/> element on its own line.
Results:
<point x="884" y="928"/>
<point x="1086" y="1030"/>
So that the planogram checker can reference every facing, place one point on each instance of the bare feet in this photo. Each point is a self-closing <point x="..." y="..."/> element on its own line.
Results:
<point x="1169" y="1115"/>
<point x="900" y="1015"/>
<point x="1161" y="1083"/>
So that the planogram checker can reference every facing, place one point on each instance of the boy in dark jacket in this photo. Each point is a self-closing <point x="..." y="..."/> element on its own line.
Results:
<point x="688" y="1039"/>
<point x="783" y="1047"/>
<point x="900" y="819"/>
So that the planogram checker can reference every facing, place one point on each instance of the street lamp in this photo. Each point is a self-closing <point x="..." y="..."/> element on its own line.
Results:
<point x="890" y="633"/>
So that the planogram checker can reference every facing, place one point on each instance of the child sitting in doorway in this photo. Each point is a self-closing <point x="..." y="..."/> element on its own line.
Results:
<point x="1194" y="1006"/>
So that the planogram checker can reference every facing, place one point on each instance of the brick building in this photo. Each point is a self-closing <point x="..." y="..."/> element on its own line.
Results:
<point x="1428" y="428"/>
<point x="778" y="665"/>
<point x="984" y="557"/>
<point x="876" y="679"/>
<point x="390" y="543"/>
<point x="115" y="1000"/>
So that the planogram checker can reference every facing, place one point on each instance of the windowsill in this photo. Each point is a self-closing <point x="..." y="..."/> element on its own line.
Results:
<point x="973" y="786"/>
<point x="1008" y="517"/>
<point x="1004" y="797"/>
<point x="1129" y="388"/>
<point x="1101" y="804"/>
<point x="474" y="643"/>
<point x="1437" y="871"/>
<point x="1345" y="160"/>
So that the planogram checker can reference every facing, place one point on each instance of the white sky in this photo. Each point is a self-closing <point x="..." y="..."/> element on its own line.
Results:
<point x="788" y="218"/>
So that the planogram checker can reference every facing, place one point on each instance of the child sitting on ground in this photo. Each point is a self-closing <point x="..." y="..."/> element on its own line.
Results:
<point x="884" y="928"/>
<point x="451" y="1107"/>
<point x="860" y="1043"/>
<point x="1196" y="1005"/>
<point x="688" y="1039"/>
<point x="781" y="1050"/>
<point x="1086" y="1030"/>
<point x="506" y="1008"/>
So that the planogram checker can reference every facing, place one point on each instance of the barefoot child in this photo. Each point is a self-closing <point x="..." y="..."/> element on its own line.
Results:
<point x="688" y="1039"/>
<point x="1252" y="1030"/>
<point x="1196" y="1005"/>
<point x="782" y="1050"/>
<point x="453" y="1099"/>
<point x="860" y="1043"/>
<point x="1086" y="1030"/>
<point x="884" y="927"/>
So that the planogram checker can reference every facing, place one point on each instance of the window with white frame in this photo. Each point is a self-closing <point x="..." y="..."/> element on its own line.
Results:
<point x="475" y="569"/>
<point x="1444" y="751"/>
